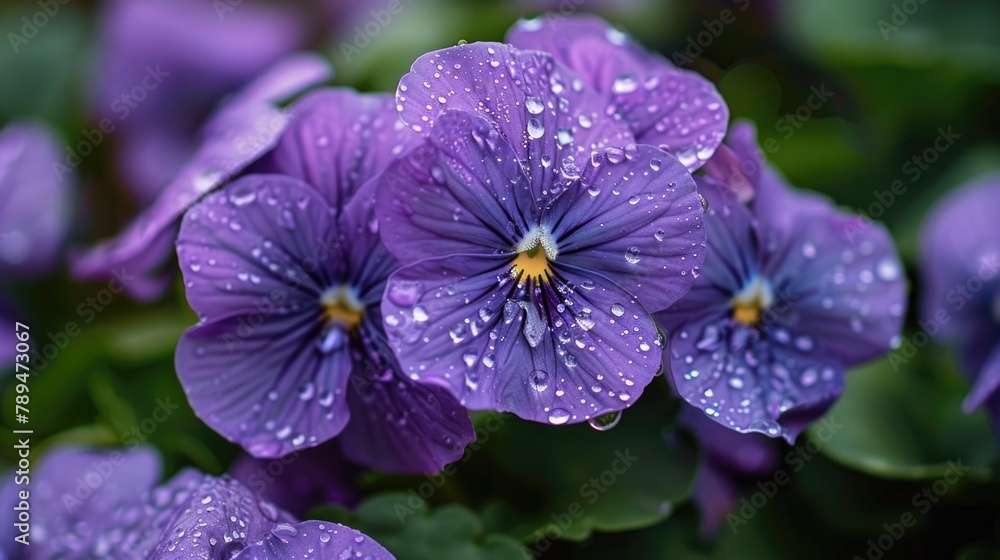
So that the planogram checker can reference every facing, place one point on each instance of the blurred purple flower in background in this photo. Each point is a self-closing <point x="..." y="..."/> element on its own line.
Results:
<point x="106" y="504"/>
<point x="728" y="457"/>
<point x="162" y="65"/>
<point x="244" y="128"/>
<point x="303" y="480"/>
<point x="287" y="278"/>
<point x="792" y="293"/>
<point x="533" y="239"/>
<point x="960" y="267"/>
<point x="34" y="200"/>
<point x="677" y="110"/>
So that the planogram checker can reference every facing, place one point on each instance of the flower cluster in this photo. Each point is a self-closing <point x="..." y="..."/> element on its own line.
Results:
<point x="517" y="231"/>
<point x="95" y="504"/>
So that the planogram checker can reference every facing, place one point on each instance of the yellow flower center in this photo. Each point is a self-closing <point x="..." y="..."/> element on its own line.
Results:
<point x="341" y="305"/>
<point x="746" y="314"/>
<point x="534" y="254"/>
<point x="755" y="298"/>
<point x="532" y="263"/>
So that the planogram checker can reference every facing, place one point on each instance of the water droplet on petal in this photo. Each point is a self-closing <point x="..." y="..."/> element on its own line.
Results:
<point x="558" y="416"/>
<point x="605" y="422"/>
<point x="538" y="380"/>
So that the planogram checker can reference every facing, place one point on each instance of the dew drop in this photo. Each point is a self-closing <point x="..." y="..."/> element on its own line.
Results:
<point x="535" y="129"/>
<point x="538" y="380"/>
<point x="558" y="416"/>
<point x="632" y="255"/>
<point x="605" y="422"/>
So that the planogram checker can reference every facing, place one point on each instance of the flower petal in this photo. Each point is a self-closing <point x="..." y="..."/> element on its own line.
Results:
<point x="399" y="425"/>
<point x="550" y="118"/>
<point x="232" y="139"/>
<point x="960" y="245"/>
<point x="35" y="198"/>
<point x="261" y="245"/>
<point x="217" y="518"/>
<point x="986" y="385"/>
<point x="462" y="191"/>
<point x="198" y="56"/>
<point x="337" y="139"/>
<point x="560" y="351"/>
<point x="303" y="480"/>
<point x="842" y="279"/>
<point x="634" y="217"/>
<point x="67" y="518"/>
<point x="266" y="383"/>
<point x="749" y="382"/>
<point x="677" y="110"/>
<point x="315" y="539"/>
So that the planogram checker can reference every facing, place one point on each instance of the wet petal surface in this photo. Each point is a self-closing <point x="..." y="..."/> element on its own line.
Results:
<point x="635" y="217"/>
<point x="677" y="110"/>
<point x="561" y="350"/>
<point x="232" y="139"/>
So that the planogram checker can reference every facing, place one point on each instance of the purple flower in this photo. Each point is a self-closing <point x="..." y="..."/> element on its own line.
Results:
<point x="303" y="480"/>
<point x="34" y="201"/>
<point x="792" y="293"/>
<point x="89" y="504"/>
<point x="163" y="64"/>
<point x="727" y="457"/>
<point x="677" y="110"/>
<point x="960" y="258"/>
<point x="238" y="134"/>
<point x="287" y="278"/>
<point x="534" y="235"/>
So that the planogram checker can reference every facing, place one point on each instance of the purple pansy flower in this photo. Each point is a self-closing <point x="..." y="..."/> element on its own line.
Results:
<point x="163" y="64"/>
<point x="792" y="293"/>
<point x="34" y="201"/>
<point x="678" y="110"/>
<point x="303" y="480"/>
<point x="534" y="240"/>
<point x="242" y="130"/>
<point x="727" y="457"/>
<point x="960" y="262"/>
<point x="90" y="504"/>
<point x="287" y="277"/>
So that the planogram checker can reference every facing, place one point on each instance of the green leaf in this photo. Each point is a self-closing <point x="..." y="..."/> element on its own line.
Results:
<point x="411" y="531"/>
<point x="582" y="480"/>
<point x="902" y="419"/>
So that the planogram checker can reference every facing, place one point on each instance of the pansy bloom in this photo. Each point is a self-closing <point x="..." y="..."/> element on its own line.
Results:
<point x="678" y="110"/>
<point x="163" y="64"/>
<point x="287" y="273"/>
<point x="535" y="235"/>
<point x="960" y="266"/>
<point x="243" y="129"/>
<point x="124" y="514"/>
<point x="792" y="293"/>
